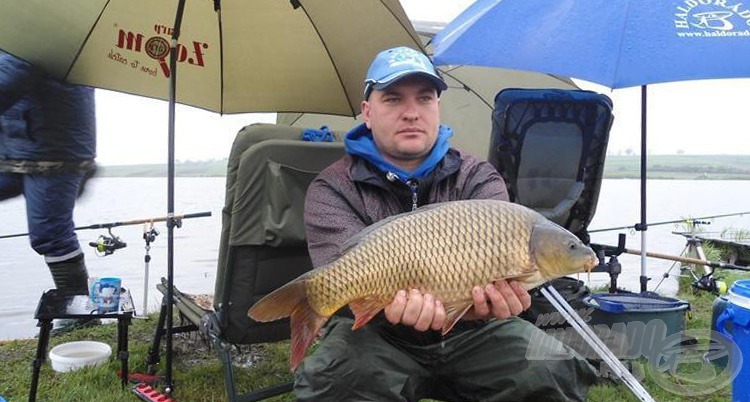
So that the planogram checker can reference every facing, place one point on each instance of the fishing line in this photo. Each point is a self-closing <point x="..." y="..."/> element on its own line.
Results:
<point x="633" y="227"/>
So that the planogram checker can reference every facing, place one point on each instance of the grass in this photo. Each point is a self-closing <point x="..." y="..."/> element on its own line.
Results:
<point x="198" y="375"/>
<point x="197" y="372"/>
<point x="683" y="167"/>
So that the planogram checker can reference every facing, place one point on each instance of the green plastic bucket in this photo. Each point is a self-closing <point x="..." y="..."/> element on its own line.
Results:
<point x="643" y="320"/>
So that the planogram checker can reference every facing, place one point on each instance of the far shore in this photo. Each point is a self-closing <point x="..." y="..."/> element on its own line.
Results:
<point x="675" y="167"/>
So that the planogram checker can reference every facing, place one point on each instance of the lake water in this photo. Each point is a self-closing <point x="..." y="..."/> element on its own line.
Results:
<point x="24" y="276"/>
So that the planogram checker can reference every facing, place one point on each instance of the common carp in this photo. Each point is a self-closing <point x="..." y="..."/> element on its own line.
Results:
<point x="442" y="249"/>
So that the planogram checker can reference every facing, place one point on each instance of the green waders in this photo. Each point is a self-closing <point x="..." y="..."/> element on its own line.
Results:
<point x="484" y="364"/>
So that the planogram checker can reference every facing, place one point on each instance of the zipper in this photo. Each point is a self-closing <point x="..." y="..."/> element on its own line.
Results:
<point x="414" y="186"/>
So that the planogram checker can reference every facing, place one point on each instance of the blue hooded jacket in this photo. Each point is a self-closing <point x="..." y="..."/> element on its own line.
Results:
<point x="43" y="119"/>
<point x="359" y="142"/>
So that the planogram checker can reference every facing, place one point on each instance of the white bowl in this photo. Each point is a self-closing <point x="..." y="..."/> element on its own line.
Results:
<point x="74" y="355"/>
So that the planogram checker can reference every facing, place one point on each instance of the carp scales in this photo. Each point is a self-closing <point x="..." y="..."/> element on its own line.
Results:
<point x="442" y="249"/>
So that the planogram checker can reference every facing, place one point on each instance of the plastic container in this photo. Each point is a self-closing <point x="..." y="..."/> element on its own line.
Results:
<point x="738" y="312"/>
<point x="74" y="355"/>
<point x="108" y="295"/>
<point x="718" y="355"/>
<point x="644" y="320"/>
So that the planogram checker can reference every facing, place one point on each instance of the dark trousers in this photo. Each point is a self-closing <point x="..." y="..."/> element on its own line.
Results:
<point x="50" y="200"/>
<point x="485" y="364"/>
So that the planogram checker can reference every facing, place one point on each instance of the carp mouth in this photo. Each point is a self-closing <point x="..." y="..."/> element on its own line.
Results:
<point x="591" y="264"/>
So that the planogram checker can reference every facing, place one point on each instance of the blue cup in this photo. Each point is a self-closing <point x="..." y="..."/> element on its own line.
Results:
<point x="108" y="295"/>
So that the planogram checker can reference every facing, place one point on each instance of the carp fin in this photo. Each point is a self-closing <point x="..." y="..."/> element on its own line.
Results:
<point x="306" y="325"/>
<point x="290" y="300"/>
<point x="281" y="302"/>
<point x="365" y="309"/>
<point x="454" y="312"/>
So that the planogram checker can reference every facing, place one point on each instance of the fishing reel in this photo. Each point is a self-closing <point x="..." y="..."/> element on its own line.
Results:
<point x="106" y="245"/>
<point x="149" y="234"/>
<point x="709" y="284"/>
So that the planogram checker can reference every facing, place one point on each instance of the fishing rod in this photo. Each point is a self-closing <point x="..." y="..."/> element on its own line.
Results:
<point x="638" y="225"/>
<point x="677" y="258"/>
<point x="705" y="282"/>
<point x="110" y="225"/>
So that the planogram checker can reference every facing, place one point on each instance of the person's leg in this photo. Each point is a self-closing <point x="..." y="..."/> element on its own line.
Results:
<point x="49" y="204"/>
<point x="491" y="364"/>
<point x="11" y="185"/>
<point x="357" y="366"/>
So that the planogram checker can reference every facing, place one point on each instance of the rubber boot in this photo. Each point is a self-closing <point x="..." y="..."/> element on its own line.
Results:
<point x="70" y="276"/>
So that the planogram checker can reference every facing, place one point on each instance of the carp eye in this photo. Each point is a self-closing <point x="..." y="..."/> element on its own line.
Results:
<point x="572" y="246"/>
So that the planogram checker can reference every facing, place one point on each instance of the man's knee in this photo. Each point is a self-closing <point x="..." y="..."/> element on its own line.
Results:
<point x="54" y="248"/>
<point x="559" y="373"/>
<point x="545" y="368"/>
<point x="557" y="380"/>
<point x="343" y="368"/>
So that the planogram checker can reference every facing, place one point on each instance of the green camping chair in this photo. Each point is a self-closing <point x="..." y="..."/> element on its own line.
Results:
<point x="263" y="243"/>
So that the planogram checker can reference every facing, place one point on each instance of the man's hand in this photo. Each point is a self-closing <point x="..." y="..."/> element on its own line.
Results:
<point x="416" y="310"/>
<point x="501" y="299"/>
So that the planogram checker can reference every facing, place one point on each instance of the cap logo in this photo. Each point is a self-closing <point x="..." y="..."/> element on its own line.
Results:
<point x="406" y="56"/>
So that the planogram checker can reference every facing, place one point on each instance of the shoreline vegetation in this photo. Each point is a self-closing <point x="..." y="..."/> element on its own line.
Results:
<point x="674" y="167"/>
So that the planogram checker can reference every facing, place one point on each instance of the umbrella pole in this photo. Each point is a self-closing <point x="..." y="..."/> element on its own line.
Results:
<point x="171" y="222"/>
<point x="642" y="227"/>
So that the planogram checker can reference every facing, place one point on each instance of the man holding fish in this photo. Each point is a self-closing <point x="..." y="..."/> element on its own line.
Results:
<point x="450" y="277"/>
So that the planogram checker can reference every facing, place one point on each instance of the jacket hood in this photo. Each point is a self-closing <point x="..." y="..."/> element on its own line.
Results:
<point x="359" y="142"/>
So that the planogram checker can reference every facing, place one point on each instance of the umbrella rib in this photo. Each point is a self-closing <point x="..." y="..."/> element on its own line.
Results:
<point x="296" y="119"/>
<point x="560" y="79"/>
<point x="466" y="87"/>
<point x="83" y="43"/>
<point x="416" y="39"/>
<point x="619" y="49"/>
<point x="217" y="8"/>
<point x="330" y="57"/>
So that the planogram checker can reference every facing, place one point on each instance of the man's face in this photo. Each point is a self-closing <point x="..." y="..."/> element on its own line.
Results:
<point x="404" y="119"/>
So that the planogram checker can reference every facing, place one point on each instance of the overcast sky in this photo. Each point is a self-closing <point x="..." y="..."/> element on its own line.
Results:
<point x="700" y="117"/>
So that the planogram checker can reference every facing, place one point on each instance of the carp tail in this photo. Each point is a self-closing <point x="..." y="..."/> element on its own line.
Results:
<point x="290" y="300"/>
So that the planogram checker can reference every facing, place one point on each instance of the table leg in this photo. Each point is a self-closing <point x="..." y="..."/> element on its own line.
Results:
<point x="122" y="346"/>
<point x="41" y="350"/>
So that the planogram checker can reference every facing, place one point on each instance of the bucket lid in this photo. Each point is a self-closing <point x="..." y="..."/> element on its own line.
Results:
<point x="739" y="293"/>
<point x="741" y="288"/>
<point x="636" y="302"/>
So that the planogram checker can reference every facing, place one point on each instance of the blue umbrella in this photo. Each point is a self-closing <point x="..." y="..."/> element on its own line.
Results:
<point x="616" y="43"/>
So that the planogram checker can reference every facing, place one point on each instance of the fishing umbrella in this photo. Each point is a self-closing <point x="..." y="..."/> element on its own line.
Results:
<point x="466" y="106"/>
<point x="616" y="43"/>
<point x="232" y="56"/>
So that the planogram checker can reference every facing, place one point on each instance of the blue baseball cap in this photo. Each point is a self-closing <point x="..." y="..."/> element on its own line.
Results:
<point x="394" y="64"/>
